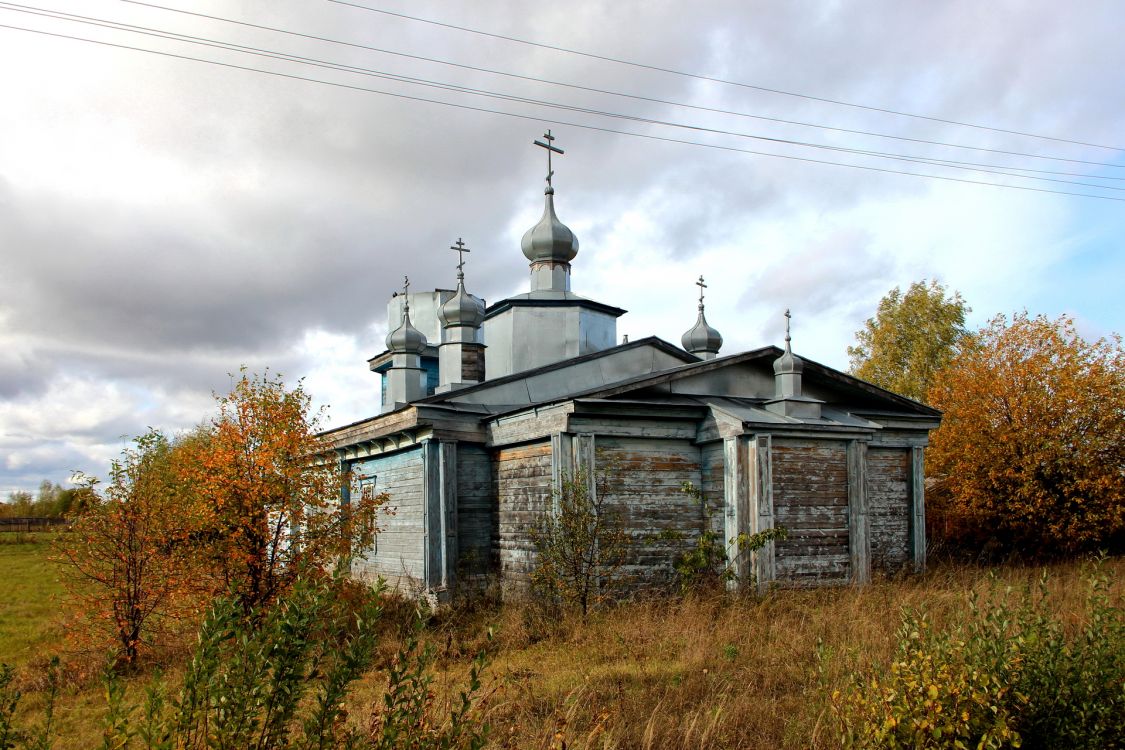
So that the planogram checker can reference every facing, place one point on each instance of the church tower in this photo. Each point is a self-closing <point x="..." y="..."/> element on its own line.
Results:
<point x="788" y="399"/>
<point x="461" y="354"/>
<point x="406" y="380"/>
<point x="550" y="323"/>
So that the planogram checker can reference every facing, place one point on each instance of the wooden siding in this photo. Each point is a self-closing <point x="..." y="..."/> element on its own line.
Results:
<point x="888" y="503"/>
<point x="712" y="464"/>
<point x="475" y="514"/>
<point x="521" y="481"/>
<point x="644" y="480"/>
<point x="810" y="491"/>
<point x="400" y="542"/>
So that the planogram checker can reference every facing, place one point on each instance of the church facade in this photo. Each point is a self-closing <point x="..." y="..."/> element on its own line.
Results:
<point x="488" y="410"/>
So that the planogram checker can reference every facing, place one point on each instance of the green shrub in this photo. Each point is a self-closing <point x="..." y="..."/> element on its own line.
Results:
<point x="705" y="565"/>
<point x="277" y="679"/>
<point x="1009" y="675"/>
<point x="580" y="545"/>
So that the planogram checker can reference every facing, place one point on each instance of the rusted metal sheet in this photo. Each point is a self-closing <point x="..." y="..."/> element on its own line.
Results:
<point x="810" y="498"/>
<point x="888" y="497"/>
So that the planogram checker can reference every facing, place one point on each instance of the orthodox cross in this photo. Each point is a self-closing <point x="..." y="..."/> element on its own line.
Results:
<point x="405" y="298"/>
<point x="788" y="317"/>
<point x="459" y="246"/>
<point x="550" y="148"/>
<point x="701" y="286"/>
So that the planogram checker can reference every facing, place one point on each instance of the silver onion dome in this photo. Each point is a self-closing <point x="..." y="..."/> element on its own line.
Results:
<point x="462" y="309"/>
<point x="406" y="339"/>
<point x="550" y="239"/>
<point x="702" y="338"/>
<point x="788" y="362"/>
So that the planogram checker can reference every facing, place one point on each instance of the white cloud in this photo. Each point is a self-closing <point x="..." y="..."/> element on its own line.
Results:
<point x="163" y="222"/>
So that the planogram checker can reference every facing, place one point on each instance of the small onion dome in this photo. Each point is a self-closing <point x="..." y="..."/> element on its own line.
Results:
<point x="702" y="338"/>
<point x="788" y="362"/>
<point x="550" y="239"/>
<point x="462" y="309"/>
<point x="406" y="339"/>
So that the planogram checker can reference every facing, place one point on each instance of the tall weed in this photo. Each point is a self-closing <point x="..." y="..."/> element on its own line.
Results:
<point x="1013" y="673"/>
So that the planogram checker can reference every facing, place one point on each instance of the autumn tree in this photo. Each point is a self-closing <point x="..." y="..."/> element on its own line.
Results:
<point x="1031" y="451"/>
<point x="125" y="559"/>
<point x="268" y="499"/>
<point x="580" y="543"/>
<point x="911" y="337"/>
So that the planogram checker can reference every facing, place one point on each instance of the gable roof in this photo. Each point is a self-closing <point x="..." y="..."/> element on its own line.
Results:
<point x="763" y="354"/>
<point x="477" y="393"/>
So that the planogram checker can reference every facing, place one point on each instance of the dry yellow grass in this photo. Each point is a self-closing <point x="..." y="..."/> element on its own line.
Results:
<point x="715" y="672"/>
<point x="702" y="672"/>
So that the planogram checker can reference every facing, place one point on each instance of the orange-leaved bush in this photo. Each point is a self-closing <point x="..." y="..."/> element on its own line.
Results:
<point x="1030" y="456"/>
<point x="268" y="497"/>
<point x="126" y="560"/>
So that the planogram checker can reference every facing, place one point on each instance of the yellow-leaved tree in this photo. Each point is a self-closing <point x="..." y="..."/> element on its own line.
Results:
<point x="1030" y="456"/>
<point x="912" y="336"/>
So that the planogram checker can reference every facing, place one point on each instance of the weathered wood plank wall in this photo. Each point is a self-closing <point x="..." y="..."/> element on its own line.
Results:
<point x="475" y="510"/>
<point x="810" y="486"/>
<point x="711" y="470"/>
<point x="521" y="484"/>
<point x="399" y="546"/>
<point x="644" y="479"/>
<point x="888" y="502"/>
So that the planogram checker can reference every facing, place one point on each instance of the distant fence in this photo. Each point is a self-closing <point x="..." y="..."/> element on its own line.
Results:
<point x="31" y="524"/>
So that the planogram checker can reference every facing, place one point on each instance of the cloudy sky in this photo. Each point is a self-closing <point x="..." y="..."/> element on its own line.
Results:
<point x="168" y="218"/>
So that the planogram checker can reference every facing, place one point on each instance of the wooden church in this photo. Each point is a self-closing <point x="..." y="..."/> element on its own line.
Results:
<point x="487" y="410"/>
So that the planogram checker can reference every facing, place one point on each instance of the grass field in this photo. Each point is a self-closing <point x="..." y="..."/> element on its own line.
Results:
<point x="696" y="672"/>
<point x="30" y="596"/>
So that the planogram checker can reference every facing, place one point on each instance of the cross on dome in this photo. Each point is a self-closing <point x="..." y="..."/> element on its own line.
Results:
<point x="788" y="317"/>
<point x="550" y="149"/>
<point x="701" y="286"/>
<point x="459" y="246"/>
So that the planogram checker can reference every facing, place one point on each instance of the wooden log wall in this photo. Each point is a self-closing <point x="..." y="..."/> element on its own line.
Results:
<point x="476" y="517"/>
<point x="521" y="484"/>
<point x="810" y="495"/>
<point x="398" y="553"/>
<point x="889" y="508"/>
<point x="711" y="458"/>
<point x="644" y="479"/>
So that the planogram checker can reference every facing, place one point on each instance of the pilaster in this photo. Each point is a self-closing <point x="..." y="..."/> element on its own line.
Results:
<point x="439" y="477"/>
<point x="859" y="538"/>
<point x="918" y="508"/>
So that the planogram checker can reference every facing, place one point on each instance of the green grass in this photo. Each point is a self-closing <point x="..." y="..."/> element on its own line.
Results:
<point x="30" y="597"/>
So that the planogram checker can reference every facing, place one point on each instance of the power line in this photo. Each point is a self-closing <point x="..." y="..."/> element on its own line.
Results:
<point x="551" y="121"/>
<point x="161" y="34"/>
<point x="608" y="92"/>
<point x="724" y="81"/>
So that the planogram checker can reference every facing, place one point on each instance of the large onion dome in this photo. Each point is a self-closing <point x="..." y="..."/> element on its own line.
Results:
<point x="406" y="339"/>
<point x="462" y="309"/>
<point x="550" y="239"/>
<point x="702" y="338"/>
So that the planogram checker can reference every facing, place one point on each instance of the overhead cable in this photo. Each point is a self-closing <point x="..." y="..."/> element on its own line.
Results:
<point x="158" y="33"/>
<point x="723" y="81"/>
<point x="534" y="118"/>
